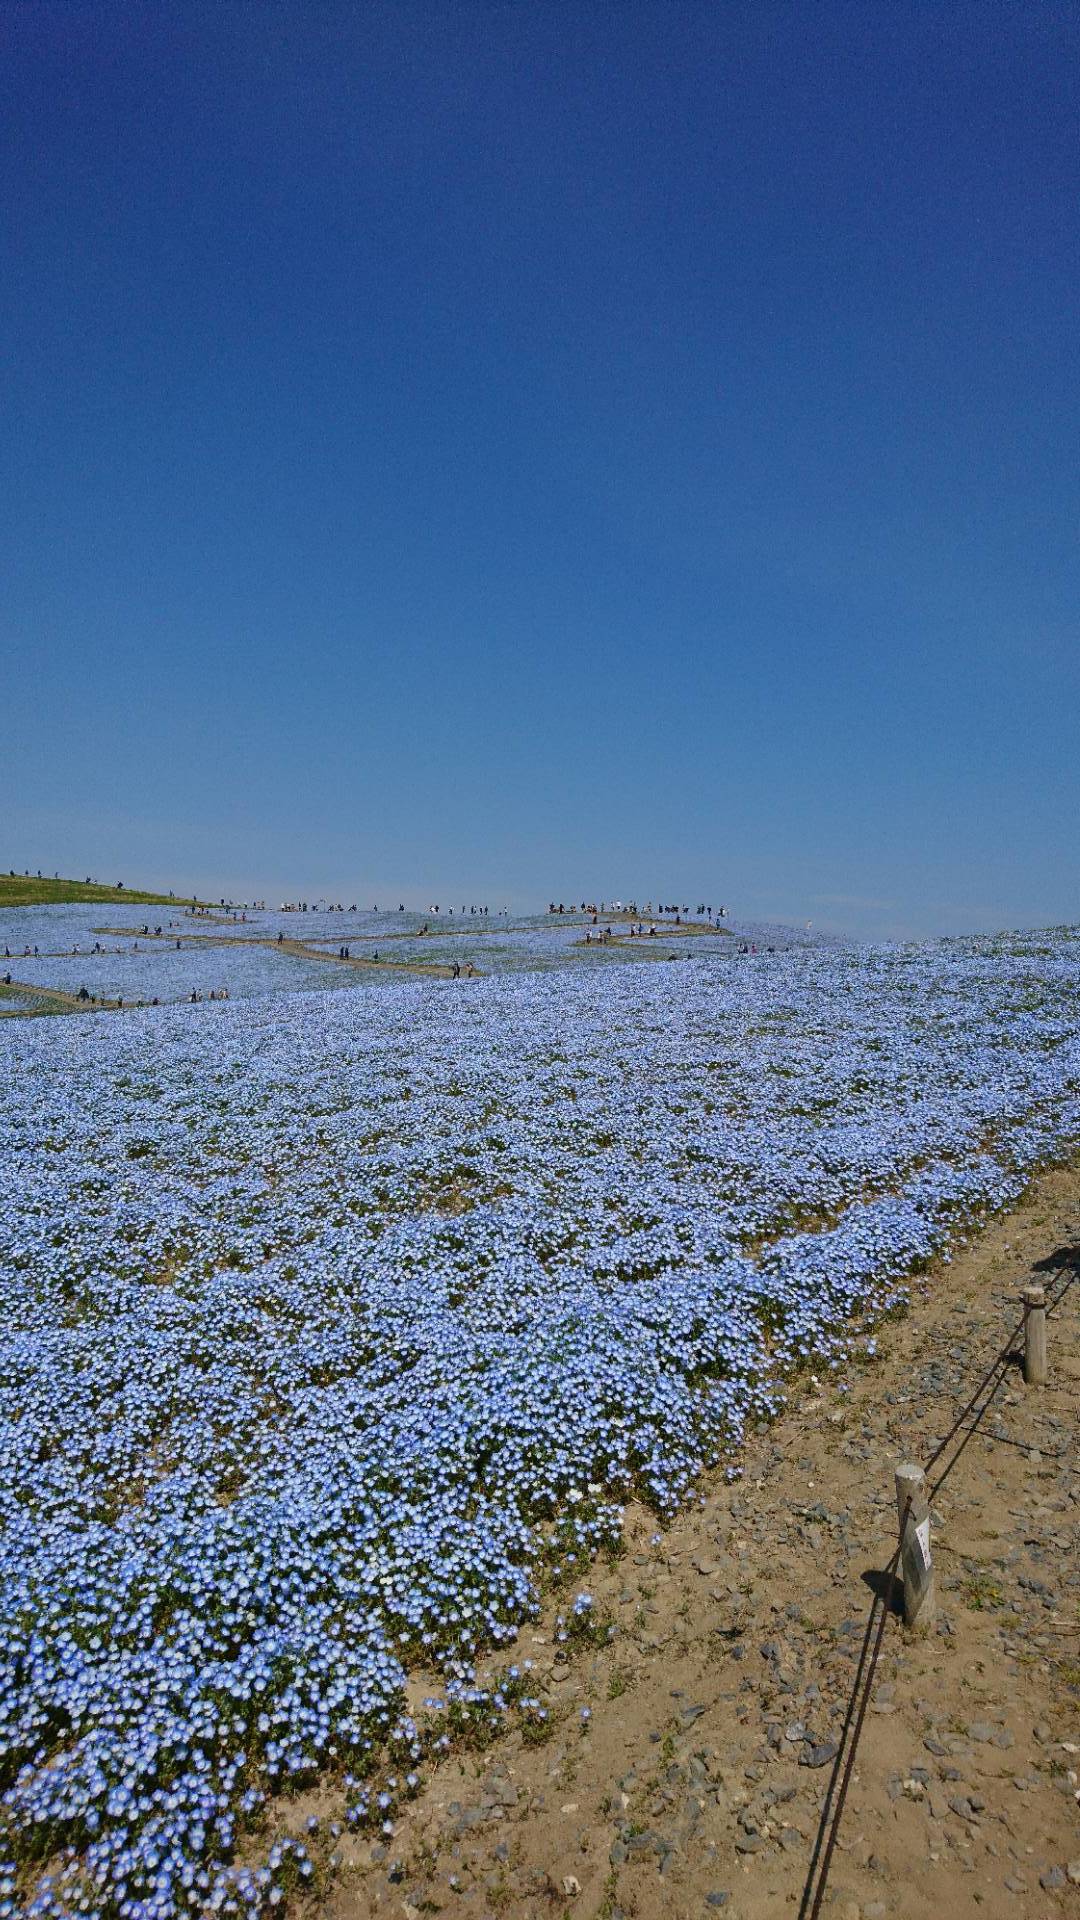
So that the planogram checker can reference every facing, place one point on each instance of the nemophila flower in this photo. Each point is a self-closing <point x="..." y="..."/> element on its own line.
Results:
<point x="334" y="1325"/>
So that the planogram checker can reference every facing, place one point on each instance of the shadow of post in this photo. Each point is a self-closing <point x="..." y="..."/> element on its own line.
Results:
<point x="887" y="1588"/>
<point x="1059" y="1261"/>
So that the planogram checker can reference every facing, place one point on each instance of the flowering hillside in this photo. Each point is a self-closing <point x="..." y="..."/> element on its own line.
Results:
<point x="335" y="1326"/>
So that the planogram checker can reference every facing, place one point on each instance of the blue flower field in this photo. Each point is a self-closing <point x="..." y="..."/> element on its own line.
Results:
<point x="339" y="1327"/>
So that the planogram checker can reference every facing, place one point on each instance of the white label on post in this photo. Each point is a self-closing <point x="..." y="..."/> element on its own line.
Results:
<point x="922" y="1535"/>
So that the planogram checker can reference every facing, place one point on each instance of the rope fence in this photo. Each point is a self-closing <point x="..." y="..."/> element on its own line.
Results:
<point x="912" y="1547"/>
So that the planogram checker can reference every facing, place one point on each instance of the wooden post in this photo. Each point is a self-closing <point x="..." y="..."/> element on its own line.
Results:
<point x="1034" y="1299"/>
<point x="913" y="1512"/>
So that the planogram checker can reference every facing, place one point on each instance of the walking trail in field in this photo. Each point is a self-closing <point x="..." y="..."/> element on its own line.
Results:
<point x="696" y="1782"/>
<point x="440" y="969"/>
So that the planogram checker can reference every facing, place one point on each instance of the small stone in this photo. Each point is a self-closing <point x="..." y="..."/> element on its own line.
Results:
<point x="820" y="1755"/>
<point x="981" y="1730"/>
<point x="1052" y="1880"/>
<point x="1015" y="1884"/>
<point x="571" y="1886"/>
<point x="1073" y="1872"/>
<point x="719" y="1897"/>
<point x="748" y="1843"/>
<point x="618" y="1854"/>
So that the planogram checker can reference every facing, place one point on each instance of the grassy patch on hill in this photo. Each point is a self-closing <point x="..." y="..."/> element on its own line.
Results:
<point x="26" y="890"/>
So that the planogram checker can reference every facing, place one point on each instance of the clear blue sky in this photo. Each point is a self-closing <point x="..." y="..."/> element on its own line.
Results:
<point x="503" y="450"/>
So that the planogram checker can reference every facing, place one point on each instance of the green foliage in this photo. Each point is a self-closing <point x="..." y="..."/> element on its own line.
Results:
<point x="22" y="890"/>
<point x="981" y="1592"/>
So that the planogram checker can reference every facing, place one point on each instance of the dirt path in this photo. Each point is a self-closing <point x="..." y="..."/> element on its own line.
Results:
<point x="688" y="1761"/>
<point x="54" y="1000"/>
<point x="437" y="968"/>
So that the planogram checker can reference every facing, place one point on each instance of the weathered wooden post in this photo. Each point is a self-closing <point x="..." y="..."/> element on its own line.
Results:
<point x="913" y="1512"/>
<point x="1034" y="1299"/>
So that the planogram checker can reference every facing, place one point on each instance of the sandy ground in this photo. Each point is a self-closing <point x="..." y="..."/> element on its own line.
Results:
<point x="696" y="1783"/>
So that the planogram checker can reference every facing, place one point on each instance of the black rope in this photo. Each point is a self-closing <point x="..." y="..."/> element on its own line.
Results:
<point x="864" y="1701"/>
<point x="863" y="1683"/>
